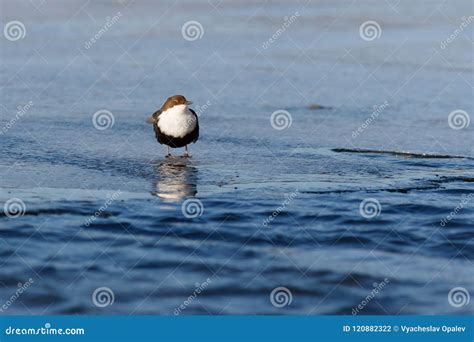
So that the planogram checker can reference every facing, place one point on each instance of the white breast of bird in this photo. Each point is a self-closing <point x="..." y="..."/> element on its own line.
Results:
<point x="177" y="121"/>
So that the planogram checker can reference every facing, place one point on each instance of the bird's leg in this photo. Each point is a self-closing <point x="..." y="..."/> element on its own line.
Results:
<point x="168" y="150"/>
<point x="186" y="152"/>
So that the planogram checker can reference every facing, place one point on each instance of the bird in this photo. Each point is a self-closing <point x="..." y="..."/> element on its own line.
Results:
<point x="175" y="124"/>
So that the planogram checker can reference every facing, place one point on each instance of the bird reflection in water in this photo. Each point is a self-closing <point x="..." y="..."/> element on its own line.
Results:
<point x="175" y="179"/>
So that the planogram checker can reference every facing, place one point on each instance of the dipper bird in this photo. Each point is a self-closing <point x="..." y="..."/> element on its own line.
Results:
<point x="175" y="124"/>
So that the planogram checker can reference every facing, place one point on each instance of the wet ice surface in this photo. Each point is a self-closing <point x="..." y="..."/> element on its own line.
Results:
<point x="318" y="246"/>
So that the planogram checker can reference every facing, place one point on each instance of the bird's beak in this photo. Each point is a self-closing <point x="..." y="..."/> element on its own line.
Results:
<point x="189" y="102"/>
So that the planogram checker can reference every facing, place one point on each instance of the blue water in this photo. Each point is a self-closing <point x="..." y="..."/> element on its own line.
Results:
<point x="310" y="178"/>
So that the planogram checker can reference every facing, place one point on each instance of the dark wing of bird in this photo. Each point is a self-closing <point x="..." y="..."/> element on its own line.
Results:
<point x="153" y="119"/>
<point x="196" y="130"/>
